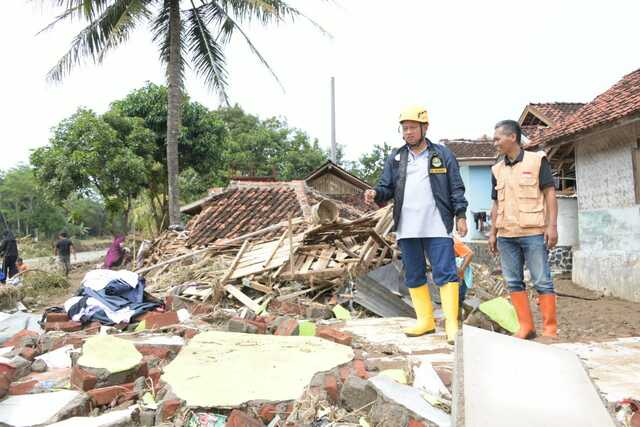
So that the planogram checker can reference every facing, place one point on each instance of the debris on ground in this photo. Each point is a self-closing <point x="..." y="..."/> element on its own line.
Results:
<point x="278" y="327"/>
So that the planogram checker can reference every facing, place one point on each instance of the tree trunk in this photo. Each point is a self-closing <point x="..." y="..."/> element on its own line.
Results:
<point x="174" y="76"/>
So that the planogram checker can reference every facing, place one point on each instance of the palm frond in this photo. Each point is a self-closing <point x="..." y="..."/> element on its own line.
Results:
<point x="103" y="34"/>
<point x="215" y="11"/>
<point x="87" y="9"/>
<point x="207" y="54"/>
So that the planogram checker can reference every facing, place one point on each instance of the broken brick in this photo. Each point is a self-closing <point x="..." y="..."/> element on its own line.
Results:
<point x="93" y="328"/>
<point x="334" y="335"/>
<point x="168" y="302"/>
<point x="415" y="423"/>
<point x="17" y="339"/>
<point x="155" y="320"/>
<point x="199" y="309"/>
<point x="360" y="369"/>
<point x="28" y="353"/>
<point x="4" y="385"/>
<point x="7" y="371"/>
<point x="57" y="317"/>
<point x="153" y="350"/>
<point x="105" y="395"/>
<point x="24" y="387"/>
<point x="190" y="333"/>
<point x="169" y="409"/>
<point x="331" y="387"/>
<point x="154" y="376"/>
<point x="238" y="418"/>
<point x="287" y="327"/>
<point x="69" y="326"/>
<point x="268" y="413"/>
<point x="345" y="371"/>
<point x="82" y="379"/>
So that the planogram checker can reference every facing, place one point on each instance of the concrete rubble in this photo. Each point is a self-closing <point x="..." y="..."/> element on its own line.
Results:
<point x="274" y="334"/>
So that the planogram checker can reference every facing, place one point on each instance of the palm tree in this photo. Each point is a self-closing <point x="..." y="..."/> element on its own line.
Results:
<point x="196" y="32"/>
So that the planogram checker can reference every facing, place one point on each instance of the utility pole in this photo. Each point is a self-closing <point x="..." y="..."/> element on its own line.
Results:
<point x="334" y="146"/>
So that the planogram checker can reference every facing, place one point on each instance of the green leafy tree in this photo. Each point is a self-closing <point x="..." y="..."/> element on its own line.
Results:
<point x="268" y="147"/>
<point x="28" y="210"/>
<point x="202" y="136"/>
<point x="197" y="34"/>
<point x="370" y="165"/>
<point x="87" y="155"/>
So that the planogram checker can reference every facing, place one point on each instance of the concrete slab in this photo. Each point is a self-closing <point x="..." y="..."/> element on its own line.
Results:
<point x="508" y="381"/>
<point x="226" y="369"/>
<point x="613" y="365"/>
<point x="410" y="398"/>
<point x="109" y="419"/>
<point x="19" y="410"/>
<point x="387" y="332"/>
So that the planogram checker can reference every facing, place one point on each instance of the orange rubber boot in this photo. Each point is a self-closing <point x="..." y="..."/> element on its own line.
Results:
<point x="549" y="317"/>
<point x="520" y="301"/>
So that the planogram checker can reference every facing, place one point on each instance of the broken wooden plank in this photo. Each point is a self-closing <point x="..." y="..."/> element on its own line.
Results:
<point x="280" y="240"/>
<point x="235" y="262"/>
<point x="244" y="299"/>
<point x="324" y="274"/>
<point x="324" y="258"/>
<point x="258" y="287"/>
<point x="303" y="292"/>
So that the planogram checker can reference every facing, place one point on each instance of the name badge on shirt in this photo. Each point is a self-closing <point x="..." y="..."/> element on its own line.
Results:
<point x="438" y="170"/>
<point x="436" y="162"/>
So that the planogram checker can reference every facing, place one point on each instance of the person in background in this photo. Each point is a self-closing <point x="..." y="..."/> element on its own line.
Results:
<point x="9" y="252"/>
<point x="63" y="250"/>
<point x="464" y="256"/>
<point x="21" y="266"/>
<point x="115" y="253"/>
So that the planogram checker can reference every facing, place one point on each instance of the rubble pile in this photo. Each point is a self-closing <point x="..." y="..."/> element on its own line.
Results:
<point x="256" y="271"/>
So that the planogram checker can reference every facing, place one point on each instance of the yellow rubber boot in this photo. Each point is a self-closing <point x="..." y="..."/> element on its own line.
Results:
<point x="424" y="312"/>
<point x="449" y="297"/>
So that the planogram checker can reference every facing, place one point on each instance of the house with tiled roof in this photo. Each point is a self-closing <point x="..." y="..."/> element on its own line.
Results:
<point x="601" y="140"/>
<point x="475" y="156"/>
<point x="250" y="204"/>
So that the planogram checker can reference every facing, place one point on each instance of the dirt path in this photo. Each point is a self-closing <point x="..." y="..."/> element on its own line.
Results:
<point x="582" y="320"/>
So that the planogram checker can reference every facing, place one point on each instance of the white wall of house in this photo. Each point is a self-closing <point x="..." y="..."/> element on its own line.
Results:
<point x="608" y="257"/>
<point x="567" y="221"/>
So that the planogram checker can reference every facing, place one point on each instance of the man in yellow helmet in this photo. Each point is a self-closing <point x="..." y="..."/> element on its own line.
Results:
<point x="424" y="181"/>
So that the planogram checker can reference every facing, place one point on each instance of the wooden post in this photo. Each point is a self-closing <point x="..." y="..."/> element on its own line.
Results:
<point x="290" y="243"/>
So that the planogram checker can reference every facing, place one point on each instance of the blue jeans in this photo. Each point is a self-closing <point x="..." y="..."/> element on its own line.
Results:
<point x="515" y="251"/>
<point x="439" y="251"/>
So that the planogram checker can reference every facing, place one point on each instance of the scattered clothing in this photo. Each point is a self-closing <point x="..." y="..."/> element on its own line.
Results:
<point x="109" y="297"/>
<point x="115" y="253"/>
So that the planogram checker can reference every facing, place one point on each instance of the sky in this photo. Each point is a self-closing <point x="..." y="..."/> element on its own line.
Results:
<point x="469" y="63"/>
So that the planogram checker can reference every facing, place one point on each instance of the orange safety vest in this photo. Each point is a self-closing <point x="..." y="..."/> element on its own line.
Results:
<point x="521" y="208"/>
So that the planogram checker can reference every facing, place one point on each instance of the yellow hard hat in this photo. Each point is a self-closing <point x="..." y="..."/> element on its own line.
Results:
<point x="415" y="114"/>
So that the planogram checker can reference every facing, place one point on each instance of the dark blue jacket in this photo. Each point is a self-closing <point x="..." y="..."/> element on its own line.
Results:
<point x="447" y="187"/>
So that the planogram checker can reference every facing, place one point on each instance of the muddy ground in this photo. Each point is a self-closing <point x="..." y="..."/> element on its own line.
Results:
<point x="593" y="320"/>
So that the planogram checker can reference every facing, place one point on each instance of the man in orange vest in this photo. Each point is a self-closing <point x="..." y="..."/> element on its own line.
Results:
<point x="524" y="226"/>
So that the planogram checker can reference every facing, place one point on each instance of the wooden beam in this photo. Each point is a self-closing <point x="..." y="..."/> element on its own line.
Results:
<point x="280" y="240"/>
<point x="235" y="262"/>
<point x="244" y="299"/>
